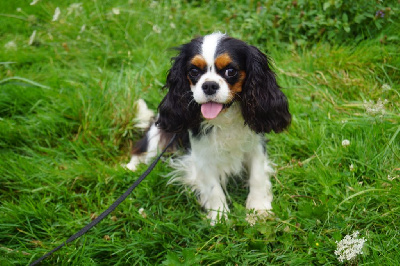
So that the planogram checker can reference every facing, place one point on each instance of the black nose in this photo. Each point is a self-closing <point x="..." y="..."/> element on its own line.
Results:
<point x="210" y="87"/>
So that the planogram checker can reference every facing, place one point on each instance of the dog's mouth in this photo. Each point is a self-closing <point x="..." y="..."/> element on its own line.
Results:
<point x="211" y="110"/>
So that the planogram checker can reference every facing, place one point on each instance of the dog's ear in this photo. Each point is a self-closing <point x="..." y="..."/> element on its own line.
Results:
<point x="177" y="111"/>
<point x="264" y="106"/>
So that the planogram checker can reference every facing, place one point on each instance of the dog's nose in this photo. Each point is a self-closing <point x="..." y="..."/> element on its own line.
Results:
<point x="210" y="87"/>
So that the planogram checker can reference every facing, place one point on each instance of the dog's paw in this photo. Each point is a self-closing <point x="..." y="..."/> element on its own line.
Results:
<point x="259" y="201"/>
<point x="217" y="216"/>
<point x="134" y="162"/>
<point x="130" y="166"/>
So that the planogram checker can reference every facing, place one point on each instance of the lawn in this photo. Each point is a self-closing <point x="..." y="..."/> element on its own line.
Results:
<point x="68" y="84"/>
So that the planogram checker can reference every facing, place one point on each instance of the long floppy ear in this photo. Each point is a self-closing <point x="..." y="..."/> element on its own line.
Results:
<point x="264" y="106"/>
<point x="178" y="111"/>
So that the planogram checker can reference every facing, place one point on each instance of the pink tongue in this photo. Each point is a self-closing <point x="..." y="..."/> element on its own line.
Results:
<point x="210" y="110"/>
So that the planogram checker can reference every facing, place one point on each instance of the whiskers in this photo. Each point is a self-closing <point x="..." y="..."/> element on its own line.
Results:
<point x="192" y="101"/>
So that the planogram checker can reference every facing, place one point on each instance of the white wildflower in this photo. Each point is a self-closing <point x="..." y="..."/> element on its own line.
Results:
<point x="75" y="8"/>
<point x="116" y="11"/>
<point x="19" y="9"/>
<point x="386" y="87"/>
<point x="251" y="218"/>
<point x="32" y="38"/>
<point x="34" y="2"/>
<point x="257" y="216"/>
<point x="142" y="213"/>
<point x="351" y="167"/>
<point x="156" y="29"/>
<point x="11" y="45"/>
<point x="172" y="25"/>
<point x="345" y="143"/>
<point x="57" y="13"/>
<point x="373" y="108"/>
<point x="349" y="247"/>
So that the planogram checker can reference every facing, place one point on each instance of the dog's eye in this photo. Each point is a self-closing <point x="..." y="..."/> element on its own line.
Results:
<point x="230" y="72"/>
<point x="193" y="72"/>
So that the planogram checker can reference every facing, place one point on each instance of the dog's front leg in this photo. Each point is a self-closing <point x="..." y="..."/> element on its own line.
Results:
<point x="211" y="195"/>
<point x="260" y="171"/>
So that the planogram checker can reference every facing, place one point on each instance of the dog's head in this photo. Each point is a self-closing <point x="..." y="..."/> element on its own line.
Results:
<point x="212" y="72"/>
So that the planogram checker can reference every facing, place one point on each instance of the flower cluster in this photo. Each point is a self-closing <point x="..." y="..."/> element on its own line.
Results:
<point x="257" y="216"/>
<point x="373" y="108"/>
<point x="251" y="218"/>
<point x="349" y="247"/>
<point x="345" y="142"/>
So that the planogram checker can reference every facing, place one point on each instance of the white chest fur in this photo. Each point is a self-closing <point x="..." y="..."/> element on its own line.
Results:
<point x="224" y="147"/>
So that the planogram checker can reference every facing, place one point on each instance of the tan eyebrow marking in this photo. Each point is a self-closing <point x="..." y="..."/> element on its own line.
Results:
<point x="238" y="86"/>
<point x="199" y="62"/>
<point x="222" y="61"/>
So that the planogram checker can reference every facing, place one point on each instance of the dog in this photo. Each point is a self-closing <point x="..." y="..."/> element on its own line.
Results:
<point x="222" y="97"/>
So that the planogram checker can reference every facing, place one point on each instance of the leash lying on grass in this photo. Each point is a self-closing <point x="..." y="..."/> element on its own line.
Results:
<point x="111" y="208"/>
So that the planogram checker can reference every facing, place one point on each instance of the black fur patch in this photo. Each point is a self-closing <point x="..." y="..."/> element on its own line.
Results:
<point x="178" y="112"/>
<point x="141" y="145"/>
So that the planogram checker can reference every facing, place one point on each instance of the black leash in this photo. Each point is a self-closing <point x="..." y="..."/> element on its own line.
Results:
<point x="111" y="208"/>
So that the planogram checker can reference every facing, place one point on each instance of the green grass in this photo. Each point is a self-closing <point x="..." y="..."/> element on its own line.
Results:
<point x="66" y="112"/>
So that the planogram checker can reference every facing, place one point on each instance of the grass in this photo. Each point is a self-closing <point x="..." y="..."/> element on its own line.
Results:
<point x="66" y="111"/>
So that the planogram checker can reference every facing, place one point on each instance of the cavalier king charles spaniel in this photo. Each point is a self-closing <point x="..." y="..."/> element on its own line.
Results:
<point x="222" y="97"/>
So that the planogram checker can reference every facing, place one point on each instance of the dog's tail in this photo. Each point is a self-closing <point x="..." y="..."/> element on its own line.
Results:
<point x="144" y="116"/>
